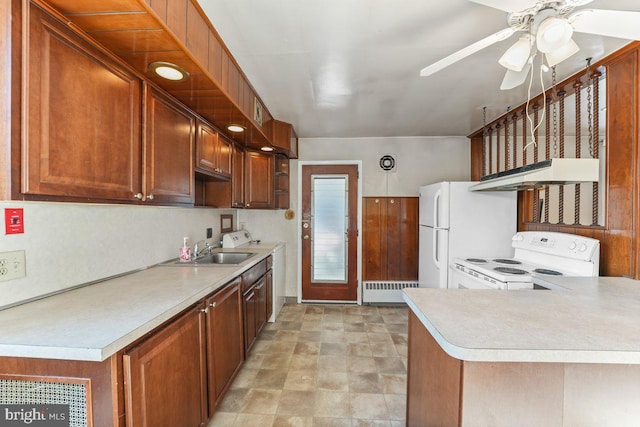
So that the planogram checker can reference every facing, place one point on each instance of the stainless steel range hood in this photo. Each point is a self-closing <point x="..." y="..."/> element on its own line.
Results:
<point x="547" y="172"/>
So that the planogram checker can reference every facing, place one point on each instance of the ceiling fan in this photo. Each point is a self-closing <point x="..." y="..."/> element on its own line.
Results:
<point x="547" y="27"/>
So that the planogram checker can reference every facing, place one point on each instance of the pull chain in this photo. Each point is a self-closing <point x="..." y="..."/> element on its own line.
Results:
<point x="555" y="112"/>
<point x="485" y="132"/>
<point x="507" y="139"/>
<point x="589" y="108"/>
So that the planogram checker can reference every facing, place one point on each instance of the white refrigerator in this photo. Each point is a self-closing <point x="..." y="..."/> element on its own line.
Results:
<point x="456" y="223"/>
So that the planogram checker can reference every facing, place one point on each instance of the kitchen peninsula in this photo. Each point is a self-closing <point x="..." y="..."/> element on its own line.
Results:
<point x="568" y="355"/>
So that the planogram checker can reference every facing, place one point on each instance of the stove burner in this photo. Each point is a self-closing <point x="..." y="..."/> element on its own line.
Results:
<point x="546" y="271"/>
<point x="477" y="260"/>
<point x="507" y="261"/>
<point x="510" y="270"/>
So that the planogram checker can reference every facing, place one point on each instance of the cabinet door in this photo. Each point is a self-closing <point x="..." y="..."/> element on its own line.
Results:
<point x="169" y="144"/>
<point x="224" y="340"/>
<point x="249" y="309"/>
<point x="408" y="250"/>
<point x="206" y="149"/>
<point x="261" y="304"/>
<point x="213" y="152"/>
<point x="374" y="239"/>
<point x="237" y="177"/>
<point x="165" y="376"/>
<point x="390" y="238"/>
<point x="258" y="180"/>
<point x="224" y="156"/>
<point x="82" y="132"/>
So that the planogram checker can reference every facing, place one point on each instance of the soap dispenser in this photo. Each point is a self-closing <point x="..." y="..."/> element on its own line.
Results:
<point x="185" y="250"/>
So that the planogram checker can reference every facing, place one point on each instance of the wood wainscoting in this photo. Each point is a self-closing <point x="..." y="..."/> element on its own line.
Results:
<point x="620" y="243"/>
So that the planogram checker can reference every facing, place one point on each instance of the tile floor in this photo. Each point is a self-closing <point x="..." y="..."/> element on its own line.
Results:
<point x="323" y="365"/>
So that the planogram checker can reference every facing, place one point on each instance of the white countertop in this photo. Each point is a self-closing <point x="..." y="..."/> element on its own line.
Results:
<point x="96" y="321"/>
<point x="582" y="320"/>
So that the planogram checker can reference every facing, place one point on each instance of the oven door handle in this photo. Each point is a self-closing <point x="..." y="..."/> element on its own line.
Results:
<point x="434" y="253"/>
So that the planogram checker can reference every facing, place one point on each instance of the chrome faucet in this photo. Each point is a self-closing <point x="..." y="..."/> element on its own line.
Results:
<point x="198" y="250"/>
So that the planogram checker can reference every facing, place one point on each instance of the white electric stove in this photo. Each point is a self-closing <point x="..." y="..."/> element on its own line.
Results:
<point x="536" y="253"/>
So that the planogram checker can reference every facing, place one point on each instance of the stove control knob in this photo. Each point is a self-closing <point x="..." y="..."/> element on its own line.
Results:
<point x="583" y="247"/>
<point x="572" y="246"/>
<point x="518" y="237"/>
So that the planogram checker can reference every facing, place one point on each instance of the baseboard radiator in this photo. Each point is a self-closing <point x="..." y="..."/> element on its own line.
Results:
<point x="385" y="292"/>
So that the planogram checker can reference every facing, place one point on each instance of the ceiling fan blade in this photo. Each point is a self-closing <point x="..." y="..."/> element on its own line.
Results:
<point x="612" y="23"/>
<point x="507" y="5"/>
<point x="467" y="51"/>
<point x="514" y="79"/>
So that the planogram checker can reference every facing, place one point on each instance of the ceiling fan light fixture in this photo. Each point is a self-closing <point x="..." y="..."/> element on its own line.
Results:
<point x="515" y="58"/>
<point x="557" y="56"/>
<point x="553" y="33"/>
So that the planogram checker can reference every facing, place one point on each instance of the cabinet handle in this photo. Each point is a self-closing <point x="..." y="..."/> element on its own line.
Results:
<point x="377" y="201"/>
<point x="212" y="305"/>
<point x="260" y="287"/>
<point x="205" y="310"/>
<point x="150" y="197"/>
<point x="392" y="201"/>
<point x="138" y="196"/>
<point x="248" y="204"/>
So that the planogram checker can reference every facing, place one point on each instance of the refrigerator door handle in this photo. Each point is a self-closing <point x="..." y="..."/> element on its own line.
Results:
<point x="434" y="253"/>
<point x="436" y="209"/>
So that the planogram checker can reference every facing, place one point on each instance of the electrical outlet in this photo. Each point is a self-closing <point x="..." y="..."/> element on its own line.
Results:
<point x="12" y="265"/>
<point x="209" y="233"/>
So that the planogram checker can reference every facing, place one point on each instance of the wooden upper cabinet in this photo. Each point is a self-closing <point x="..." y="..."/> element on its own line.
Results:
<point x="284" y="138"/>
<point x="213" y="152"/>
<point x="169" y="144"/>
<point x="82" y="122"/>
<point x="258" y="186"/>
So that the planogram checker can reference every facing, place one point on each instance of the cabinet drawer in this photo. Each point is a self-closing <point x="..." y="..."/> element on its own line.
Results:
<point x="250" y="276"/>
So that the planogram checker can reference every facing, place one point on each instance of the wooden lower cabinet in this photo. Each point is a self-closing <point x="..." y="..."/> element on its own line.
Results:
<point x="178" y="375"/>
<point x="249" y="302"/>
<point x="165" y="375"/>
<point x="225" y="348"/>
<point x="257" y="284"/>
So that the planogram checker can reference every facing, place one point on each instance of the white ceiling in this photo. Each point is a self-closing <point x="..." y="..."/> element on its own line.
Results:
<point x="349" y="68"/>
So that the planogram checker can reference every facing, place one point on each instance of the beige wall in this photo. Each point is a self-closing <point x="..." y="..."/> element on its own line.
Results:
<point x="68" y="244"/>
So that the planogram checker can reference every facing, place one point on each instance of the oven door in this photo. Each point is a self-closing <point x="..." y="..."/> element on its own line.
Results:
<point x="463" y="280"/>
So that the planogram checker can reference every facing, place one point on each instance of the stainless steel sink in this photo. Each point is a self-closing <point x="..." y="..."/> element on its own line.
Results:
<point x="216" y="258"/>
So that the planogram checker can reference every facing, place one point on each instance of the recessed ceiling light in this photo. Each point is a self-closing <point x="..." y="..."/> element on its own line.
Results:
<point x="266" y="148"/>
<point x="235" y="128"/>
<point x="169" y="71"/>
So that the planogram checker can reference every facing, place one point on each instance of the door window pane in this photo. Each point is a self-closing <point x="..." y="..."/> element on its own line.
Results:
<point x="329" y="227"/>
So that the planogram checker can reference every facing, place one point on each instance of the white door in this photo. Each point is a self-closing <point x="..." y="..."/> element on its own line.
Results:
<point x="433" y="249"/>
